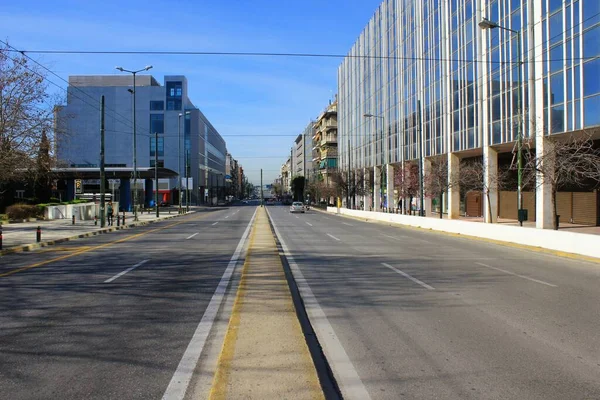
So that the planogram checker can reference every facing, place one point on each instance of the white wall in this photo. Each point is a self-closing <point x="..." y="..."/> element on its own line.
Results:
<point x="570" y="242"/>
<point x="83" y="211"/>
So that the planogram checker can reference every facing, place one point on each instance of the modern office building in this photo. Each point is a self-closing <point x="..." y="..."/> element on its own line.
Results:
<point x="188" y="144"/>
<point x="426" y="80"/>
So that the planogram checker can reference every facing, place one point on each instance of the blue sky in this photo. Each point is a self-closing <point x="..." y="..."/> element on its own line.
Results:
<point x="243" y="97"/>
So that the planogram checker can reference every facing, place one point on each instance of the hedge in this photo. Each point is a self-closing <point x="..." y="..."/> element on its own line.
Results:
<point x="23" y="211"/>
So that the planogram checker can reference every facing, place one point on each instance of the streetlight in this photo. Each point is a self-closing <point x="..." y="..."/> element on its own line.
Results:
<point x="374" y="158"/>
<point x="146" y="68"/>
<point x="487" y="24"/>
<point x="179" y="156"/>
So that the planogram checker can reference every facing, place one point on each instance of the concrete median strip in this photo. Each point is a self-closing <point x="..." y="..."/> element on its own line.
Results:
<point x="264" y="354"/>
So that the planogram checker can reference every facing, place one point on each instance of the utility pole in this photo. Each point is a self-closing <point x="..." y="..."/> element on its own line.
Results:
<point x="102" y="176"/>
<point x="179" y="159"/>
<point x="156" y="173"/>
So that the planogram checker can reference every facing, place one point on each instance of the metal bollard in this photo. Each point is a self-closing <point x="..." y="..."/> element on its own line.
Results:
<point x="95" y="220"/>
<point x="118" y="220"/>
<point x="38" y="234"/>
<point x="0" y="236"/>
<point x="73" y="219"/>
<point x="123" y="217"/>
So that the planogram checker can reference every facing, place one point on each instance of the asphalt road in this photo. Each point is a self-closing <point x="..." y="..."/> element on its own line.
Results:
<point x="423" y="315"/>
<point x="76" y="322"/>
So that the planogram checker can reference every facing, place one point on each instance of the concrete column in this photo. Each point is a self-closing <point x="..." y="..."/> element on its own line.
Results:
<point x="391" y="201"/>
<point x="377" y="188"/>
<point x="454" y="192"/>
<point x="490" y="184"/>
<point x="427" y="204"/>
<point x="70" y="189"/>
<point x="148" y="191"/>
<point x="125" y="195"/>
<point x="543" y="194"/>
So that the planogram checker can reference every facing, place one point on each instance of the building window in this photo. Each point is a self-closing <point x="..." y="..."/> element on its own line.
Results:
<point x="161" y="163"/>
<point x="161" y="147"/>
<point x="174" y="95"/>
<point x="157" y="105"/>
<point x="157" y="123"/>
<point x="19" y="194"/>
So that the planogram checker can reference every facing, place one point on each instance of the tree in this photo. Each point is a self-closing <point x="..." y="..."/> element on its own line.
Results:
<point x="298" y="184"/>
<point x="344" y="187"/>
<point x="472" y="179"/>
<point x="406" y="181"/>
<point x="571" y="161"/>
<point x="437" y="181"/>
<point x="277" y="188"/>
<point x="25" y="116"/>
<point x="43" y="177"/>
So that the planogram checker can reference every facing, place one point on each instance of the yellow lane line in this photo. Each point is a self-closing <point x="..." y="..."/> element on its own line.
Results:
<point x="88" y="249"/>
<point x="218" y="390"/>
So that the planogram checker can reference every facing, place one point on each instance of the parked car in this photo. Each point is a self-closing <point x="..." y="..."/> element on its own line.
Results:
<point x="164" y="204"/>
<point x="297" y="207"/>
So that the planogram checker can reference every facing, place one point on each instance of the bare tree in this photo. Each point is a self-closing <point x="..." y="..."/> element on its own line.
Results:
<point x="347" y="186"/>
<point x="406" y="181"/>
<point x="437" y="181"/>
<point x="571" y="161"/>
<point x="25" y="114"/>
<point x="472" y="179"/>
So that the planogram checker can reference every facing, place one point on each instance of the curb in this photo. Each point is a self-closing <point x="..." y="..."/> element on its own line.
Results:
<point x="33" y="246"/>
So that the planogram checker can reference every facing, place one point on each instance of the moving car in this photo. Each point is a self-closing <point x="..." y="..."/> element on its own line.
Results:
<point x="297" y="207"/>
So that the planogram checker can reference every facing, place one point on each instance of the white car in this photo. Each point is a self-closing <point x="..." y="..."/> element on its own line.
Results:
<point x="297" y="207"/>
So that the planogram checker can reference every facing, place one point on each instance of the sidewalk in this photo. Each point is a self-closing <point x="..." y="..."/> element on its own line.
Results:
<point x="264" y="354"/>
<point x="22" y="236"/>
<point x="566" y="226"/>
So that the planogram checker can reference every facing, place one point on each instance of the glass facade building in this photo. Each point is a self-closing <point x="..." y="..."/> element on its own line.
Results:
<point x="438" y="84"/>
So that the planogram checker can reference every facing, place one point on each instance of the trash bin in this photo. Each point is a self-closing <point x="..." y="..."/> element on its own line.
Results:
<point x="522" y="215"/>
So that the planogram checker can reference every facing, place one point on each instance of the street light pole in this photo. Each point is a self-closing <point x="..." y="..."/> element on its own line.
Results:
<point x="179" y="158"/>
<point x="487" y="24"/>
<point x="179" y="161"/>
<point x="156" y="172"/>
<point x="135" y="193"/>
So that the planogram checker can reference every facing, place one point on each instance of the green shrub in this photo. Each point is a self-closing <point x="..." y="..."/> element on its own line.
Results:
<point x="54" y="200"/>
<point x="3" y="217"/>
<point x="23" y="211"/>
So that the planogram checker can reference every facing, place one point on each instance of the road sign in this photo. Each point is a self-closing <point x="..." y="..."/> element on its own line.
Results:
<point x="78" y="186"/>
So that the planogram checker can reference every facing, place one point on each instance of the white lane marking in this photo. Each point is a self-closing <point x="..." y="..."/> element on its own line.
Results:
<point x="215" y="223"/>
<point x="344" y="372"/>
<point x="297" y="216"/>
<point x="404" y="274"/>
<point x="405" y="238"/>
<point x="191" y="236"/>
<point x="345" y="223"/>
<point x="183" y="374"/>
<point x="333" y="237"/>
<point x="227" y="216"/>
<point x="308" y="223"/>
<point x="120" y="274"/>
<point x="326" y="217"/>
<point x="512" y="273"/>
